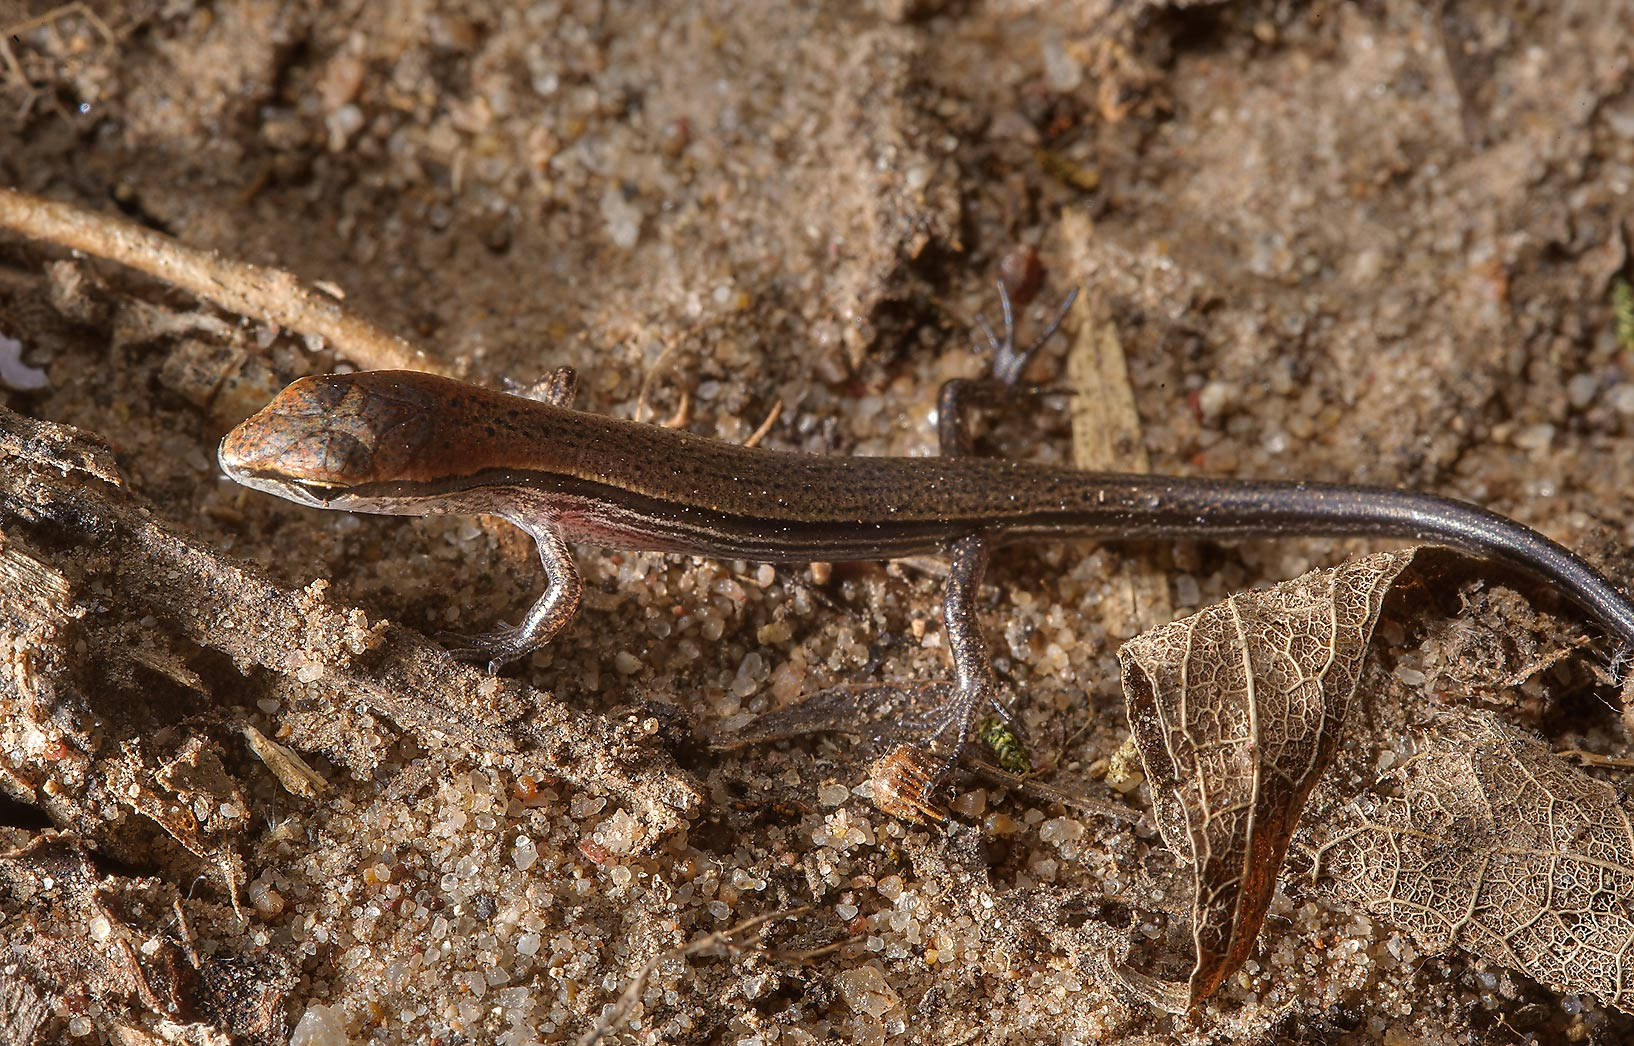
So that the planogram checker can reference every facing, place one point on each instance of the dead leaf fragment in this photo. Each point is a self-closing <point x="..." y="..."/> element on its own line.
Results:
<point x="1236" y="711"/>
<point x="1487" y="841"/>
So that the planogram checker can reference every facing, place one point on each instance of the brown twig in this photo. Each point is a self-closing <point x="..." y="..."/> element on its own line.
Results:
<point x="268" y="295"/>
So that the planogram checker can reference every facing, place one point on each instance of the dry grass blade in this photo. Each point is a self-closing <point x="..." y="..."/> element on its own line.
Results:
<point x="1489" y="842"/>
<point x="1106" y="429"/>
<point x="1236" y="711"/>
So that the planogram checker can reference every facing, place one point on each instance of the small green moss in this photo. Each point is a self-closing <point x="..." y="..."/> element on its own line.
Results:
<point x="1007" y="749"/>
<point x="1622" y="307"/>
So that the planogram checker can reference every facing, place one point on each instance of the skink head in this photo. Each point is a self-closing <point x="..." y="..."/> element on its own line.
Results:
<point x="322" y="438"/>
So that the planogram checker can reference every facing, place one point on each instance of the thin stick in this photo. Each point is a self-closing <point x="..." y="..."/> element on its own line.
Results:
<point x="683" y="412"/>
<point x="659" y="366"/>
<point x="269" y="295"/>
<point x="611" y="1020"/>
<point x="1595" y="758"/>
<point x="765" y="426"/>
<point x="186" y="931"/>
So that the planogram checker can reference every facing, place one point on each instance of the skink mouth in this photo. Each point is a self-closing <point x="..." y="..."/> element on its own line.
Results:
<point x="303" y="492"/>
<point x="313" y="495"/>
<point x="318" y="493"/>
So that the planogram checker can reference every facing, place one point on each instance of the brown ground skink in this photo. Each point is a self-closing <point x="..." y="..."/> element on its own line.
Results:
<point x="413" y="444"/>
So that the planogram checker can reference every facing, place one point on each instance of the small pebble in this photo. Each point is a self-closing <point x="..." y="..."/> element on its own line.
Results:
<point x="320" y="1026"/>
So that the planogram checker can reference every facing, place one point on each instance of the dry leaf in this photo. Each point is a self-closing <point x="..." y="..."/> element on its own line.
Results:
<point x="1235" y="711"/>
<point x="1487" y="841"/>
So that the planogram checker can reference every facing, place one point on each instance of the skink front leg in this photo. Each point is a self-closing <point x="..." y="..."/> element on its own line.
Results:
<point x="548" y="616"/>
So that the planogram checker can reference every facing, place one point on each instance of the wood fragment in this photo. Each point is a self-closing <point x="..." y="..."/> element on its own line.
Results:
<point x="22" y="1011"/>
<point x="24" y="578"/>
<point x="269" y="295"/>
<point x="286" y="764"/>
<point x="167" y="664"/>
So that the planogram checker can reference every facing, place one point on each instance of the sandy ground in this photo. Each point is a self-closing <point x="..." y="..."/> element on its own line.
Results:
<point x="1373" y="242"/>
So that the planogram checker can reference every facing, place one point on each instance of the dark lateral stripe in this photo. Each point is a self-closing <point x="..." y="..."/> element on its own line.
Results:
<point x="685" y="528"/>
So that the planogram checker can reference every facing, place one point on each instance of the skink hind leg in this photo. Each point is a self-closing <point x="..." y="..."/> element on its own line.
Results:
<point x="548" y="616"/>
<point x="909" y="776"/>
<point x="906" y="780"/>
<point x="922" y="728"/>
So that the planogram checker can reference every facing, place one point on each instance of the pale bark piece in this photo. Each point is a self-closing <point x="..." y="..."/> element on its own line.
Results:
<point x="1488" y="842"/>
<point x="1236" y="711"/>
<point x="286" y="764"/>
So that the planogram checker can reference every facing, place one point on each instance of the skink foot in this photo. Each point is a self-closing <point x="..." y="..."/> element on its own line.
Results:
<point x="494" y="649"/>
<point x="920" y="726"/>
